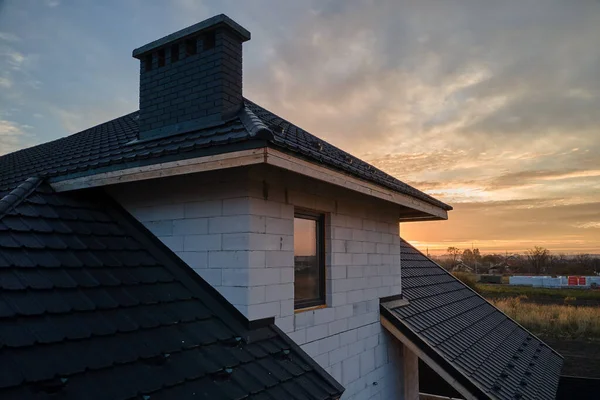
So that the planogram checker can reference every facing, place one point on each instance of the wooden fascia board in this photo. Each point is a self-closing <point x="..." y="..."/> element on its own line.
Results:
<point x="249" y="157"/>
<point x="161" y="170"/>
<point x="300" y="166"/>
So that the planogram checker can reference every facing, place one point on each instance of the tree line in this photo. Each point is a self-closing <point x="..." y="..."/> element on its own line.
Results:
<point x="536" y="260"/>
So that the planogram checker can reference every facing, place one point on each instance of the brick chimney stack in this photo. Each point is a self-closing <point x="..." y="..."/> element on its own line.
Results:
<point x="191" y="79"/>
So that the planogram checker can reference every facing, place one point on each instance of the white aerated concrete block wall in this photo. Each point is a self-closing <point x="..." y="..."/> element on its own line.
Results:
<point x="362" y="265"/>
<point x="235" y="228"/>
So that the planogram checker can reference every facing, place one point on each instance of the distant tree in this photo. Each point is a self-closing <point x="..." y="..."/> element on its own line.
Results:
<point x="476" y="255"/>
<point x="453" y="253"/>
<point x="538" y="258"/>
<point x="467" y="257"/>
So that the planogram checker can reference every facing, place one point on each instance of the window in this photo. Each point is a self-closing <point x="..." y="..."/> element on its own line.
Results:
<point x="309" y="259"/>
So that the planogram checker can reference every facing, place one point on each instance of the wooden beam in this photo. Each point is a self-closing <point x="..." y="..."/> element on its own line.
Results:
<point x="410" y="362"/>
<point x="427" y="360"/>
<point x="294" y="164"/>
<point x="161" y="170"/>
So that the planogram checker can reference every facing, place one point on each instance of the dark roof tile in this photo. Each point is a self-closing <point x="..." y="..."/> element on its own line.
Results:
<point x="483" y="348"/>
<point x="90" y="308"/>
<point x="112" y="146"/>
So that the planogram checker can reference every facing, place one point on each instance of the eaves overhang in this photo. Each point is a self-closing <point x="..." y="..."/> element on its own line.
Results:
<point x="413" y="209"/>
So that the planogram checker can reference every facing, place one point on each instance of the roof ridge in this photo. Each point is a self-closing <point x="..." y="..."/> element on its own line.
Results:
<point x="254" y="125"/>
<point x="18" y="194"/>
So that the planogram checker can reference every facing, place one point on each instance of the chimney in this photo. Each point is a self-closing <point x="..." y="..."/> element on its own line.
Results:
<point x="191" y="79"/>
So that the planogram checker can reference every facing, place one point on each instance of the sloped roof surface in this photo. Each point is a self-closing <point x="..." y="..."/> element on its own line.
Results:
<point x="92" y="306"/>
<point x="111" y="146"/>
<point x="297" y="140"/>
<point x="477" y="340"/>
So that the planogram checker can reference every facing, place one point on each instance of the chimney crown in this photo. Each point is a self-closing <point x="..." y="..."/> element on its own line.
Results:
<point x="191" y="79"/>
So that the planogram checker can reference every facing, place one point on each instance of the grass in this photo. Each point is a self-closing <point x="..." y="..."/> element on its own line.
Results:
<point x="495" y="291"/>
<point x="467" y="278"/>
<point x="558" y="321"/>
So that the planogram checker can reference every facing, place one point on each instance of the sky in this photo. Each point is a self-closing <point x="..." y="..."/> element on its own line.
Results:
<point x="490" y="106"/>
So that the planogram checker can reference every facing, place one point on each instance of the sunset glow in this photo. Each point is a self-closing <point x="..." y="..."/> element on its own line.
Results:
<point x="492" y="107"/>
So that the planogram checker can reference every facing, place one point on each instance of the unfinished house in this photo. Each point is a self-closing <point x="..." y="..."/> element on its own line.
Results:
<point x="203" y="247"/>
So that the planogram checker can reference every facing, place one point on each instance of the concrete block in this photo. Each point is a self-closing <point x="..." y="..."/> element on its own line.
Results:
<point x="276" y="258"/>
<point x="355" y="296"/>
<point x="212" y="276"/>
<point x="195" y="259"/>
<point x="338" y="272"/>
<point x="329" y="343"/>
<point x="160" y="228"/>
<point x="175" y="243"/>
<point x="348" y="337"/>
<point x="279" y="226"/>
<point x="338" y="355"/>
<point x="322" y="360"/>
<point x="202" y="209"/>
<point x="316" y="332"/>
<point x="350" y="369"/>
<point x="324" y="316"/>
<point x="335" y="370"/>
<point x="304" y="319"/>
<point x="229" y="224"/>
<point x="201" y="242"/>
<point x="338" y="299"/>
<point x="235" y="277"/>
<point x="287" y="274"/>
<point x="286" y="324"/>
<point x="343" y="312"/>
<point x="264" y="310"/>
<point x="236" y="295"/>
<point x="236" y="206"/>
<point x="287" y="307"/>
<point x="367" y="362"/>
<point x="256" y="294"/>
<point x="190" y="226"/>
<point x="279" y="292"/>
<point x="337" y="326"/>
<point x="359" y="259"/>
<point x="298" y="336"/>
<point x="264" y="276"/>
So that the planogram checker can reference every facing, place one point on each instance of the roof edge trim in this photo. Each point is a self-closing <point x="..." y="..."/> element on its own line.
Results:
<point x="293" y="163"/>
<point x="18" y="194"/>
<point x="162" y="170"/>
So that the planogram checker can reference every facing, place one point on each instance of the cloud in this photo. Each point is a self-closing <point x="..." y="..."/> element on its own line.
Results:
<point x="588" y="225"/>
<point x="12" y="136"/>
<point x="5" y="82"/>
<point x="9" y="37"/>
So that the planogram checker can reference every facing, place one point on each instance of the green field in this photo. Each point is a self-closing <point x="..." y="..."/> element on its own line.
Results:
<point x="500" y="291"/>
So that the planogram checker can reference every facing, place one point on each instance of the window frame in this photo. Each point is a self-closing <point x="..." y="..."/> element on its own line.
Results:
<point x="320" y="247"/>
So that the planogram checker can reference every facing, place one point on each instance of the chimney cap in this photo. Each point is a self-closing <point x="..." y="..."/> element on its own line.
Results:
<point x="211" y="23"/>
